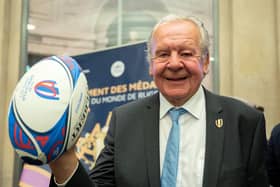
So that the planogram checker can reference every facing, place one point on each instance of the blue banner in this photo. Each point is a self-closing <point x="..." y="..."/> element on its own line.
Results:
<point x="115" y="76"/>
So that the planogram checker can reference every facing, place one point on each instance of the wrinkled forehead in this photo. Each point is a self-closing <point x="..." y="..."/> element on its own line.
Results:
<point x="183" y="33"/>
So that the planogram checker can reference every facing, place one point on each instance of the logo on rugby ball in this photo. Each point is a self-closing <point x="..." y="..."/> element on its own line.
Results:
<point x="47" y="90"/>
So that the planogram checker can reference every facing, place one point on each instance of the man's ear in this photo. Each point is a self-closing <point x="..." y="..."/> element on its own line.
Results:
<point x="206" y="63"/>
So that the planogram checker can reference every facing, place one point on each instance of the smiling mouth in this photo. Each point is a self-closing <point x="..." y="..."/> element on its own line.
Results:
<point x="177" y="79"/>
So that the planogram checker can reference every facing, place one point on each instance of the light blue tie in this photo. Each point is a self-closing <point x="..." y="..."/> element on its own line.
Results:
<point x="170" y="165"/>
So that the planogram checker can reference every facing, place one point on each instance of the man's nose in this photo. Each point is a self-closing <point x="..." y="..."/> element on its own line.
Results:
<point x="175" y="62"/>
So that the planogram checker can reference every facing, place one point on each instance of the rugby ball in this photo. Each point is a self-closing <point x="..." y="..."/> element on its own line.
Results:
<point x="48" y="109"/>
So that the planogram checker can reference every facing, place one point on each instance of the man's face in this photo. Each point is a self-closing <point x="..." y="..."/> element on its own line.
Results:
<point x="177" y="66"/>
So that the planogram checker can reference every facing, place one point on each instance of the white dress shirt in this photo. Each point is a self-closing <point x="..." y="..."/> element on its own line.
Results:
<point x="192" y="139"/>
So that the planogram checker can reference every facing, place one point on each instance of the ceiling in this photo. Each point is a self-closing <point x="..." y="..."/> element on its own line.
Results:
<point x="70" y="27"/>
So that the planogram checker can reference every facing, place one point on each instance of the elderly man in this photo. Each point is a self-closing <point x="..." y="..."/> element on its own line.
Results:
<point x="182" y="136"/>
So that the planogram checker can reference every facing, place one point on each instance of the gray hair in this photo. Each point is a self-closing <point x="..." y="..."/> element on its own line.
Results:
<point x="204" y="37"/>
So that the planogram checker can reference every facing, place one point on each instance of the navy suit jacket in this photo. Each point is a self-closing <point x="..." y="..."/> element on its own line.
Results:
<point x="273" y="157"/>
<point x="234" y="154"/>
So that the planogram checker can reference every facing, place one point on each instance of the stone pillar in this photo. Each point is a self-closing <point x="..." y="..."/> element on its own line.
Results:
<point x="10" y="38"/>
<point x="249" y="40"/>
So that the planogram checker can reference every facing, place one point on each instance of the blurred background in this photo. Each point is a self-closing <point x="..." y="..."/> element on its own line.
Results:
<point x="76" y="27"/>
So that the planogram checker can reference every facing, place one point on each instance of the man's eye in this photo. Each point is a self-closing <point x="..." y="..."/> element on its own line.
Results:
<point x="162" y="55"/>
<point x="186" y="54"/>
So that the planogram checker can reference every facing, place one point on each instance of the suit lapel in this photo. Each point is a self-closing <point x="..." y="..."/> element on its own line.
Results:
<point x="151" y="140"/>
<point x="215" y="125"/>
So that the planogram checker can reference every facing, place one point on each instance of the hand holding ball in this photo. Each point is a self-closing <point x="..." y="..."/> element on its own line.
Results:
<point x="48" y="109"/>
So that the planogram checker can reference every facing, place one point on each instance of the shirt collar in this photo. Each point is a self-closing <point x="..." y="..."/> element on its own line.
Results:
<point x="194" y="105"/>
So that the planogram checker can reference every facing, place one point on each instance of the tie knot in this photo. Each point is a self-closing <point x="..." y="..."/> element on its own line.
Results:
<point x="176" y="112"/>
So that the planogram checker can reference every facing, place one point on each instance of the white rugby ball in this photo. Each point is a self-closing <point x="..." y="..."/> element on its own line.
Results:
<point x="48" y="109"/>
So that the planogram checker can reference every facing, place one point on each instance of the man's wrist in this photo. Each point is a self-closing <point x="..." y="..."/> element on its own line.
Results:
<point x="63" y="167"/>
<point x="62" y="184"/>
